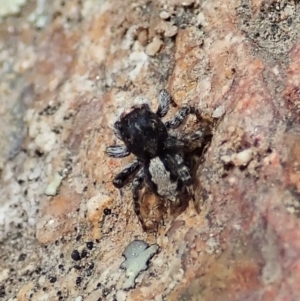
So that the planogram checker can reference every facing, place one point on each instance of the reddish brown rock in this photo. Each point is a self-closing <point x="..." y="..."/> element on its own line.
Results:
<point x="62" y="87"/>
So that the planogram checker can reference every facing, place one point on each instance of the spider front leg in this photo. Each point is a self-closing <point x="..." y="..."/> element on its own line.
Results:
<point x="164" y="103"/>
<point x="198" y="139"/>
<point x="121" y="178"/>
<point x="117" y="151"/>
<point x="191" y="141"/>
<point x="180" y="116"/>
<point x="173" y="143"/>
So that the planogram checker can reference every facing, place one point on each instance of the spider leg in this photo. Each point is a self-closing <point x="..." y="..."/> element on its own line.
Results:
<point x="196" y="140"/>
<point x="121" y="178"/>
<point x="189" y="142"/>
<point x="117" y="151"/>
<point x="176" y="165"/>
<point x="174" y="143"/>
<point x="136" y="186"/>
<point x="180" y="116"/>
<point x="183" y="171"/>
<point x="164" y="103"/>
<point x="202" y="133"/>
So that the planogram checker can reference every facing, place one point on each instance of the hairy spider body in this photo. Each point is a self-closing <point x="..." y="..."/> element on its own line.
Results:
<point x="160" y="156"/>
<point x="143" y="132"/>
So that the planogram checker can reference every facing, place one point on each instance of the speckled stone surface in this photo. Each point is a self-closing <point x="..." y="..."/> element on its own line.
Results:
<point x="68" y="68"/>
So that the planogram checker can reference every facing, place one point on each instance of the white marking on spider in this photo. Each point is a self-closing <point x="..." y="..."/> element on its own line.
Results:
<point x="161" y="177"/>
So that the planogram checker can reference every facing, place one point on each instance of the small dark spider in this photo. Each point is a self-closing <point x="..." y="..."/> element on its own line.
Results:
<point x="160" y="155"/>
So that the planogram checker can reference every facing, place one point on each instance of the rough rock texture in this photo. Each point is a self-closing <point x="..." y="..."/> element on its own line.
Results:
<point x="68" y="68"/>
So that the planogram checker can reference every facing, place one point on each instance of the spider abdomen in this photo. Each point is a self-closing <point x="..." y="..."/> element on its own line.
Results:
<point x="161" y="181"/>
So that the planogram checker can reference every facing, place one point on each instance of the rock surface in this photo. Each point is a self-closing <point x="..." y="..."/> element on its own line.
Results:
<point x="68" y="68"/>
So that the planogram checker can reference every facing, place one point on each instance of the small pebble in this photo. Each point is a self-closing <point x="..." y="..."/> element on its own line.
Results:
<point x="107" y="211"/>
<point x="78" y="280"/>
<point x="164" y="15"/>
<point x="75" y="255"/>
<point x="90" y="245"/>
<point x="242" y="158"/>
<point x="171" y="31"/>
<point x="218" y="112"/>
<point x="84" y="253"/>
<point x="226" y="159"/>
<point x="187" y="2"/>
<point x="22" y="257"/>
<point x="153" y="47"/>
<point x="143" y="37"/>
<point x="77" y="267"/>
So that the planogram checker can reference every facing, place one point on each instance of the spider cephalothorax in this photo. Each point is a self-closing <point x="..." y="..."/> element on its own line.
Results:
<point x="142" y="131"/>
<point x="160" y="156"/>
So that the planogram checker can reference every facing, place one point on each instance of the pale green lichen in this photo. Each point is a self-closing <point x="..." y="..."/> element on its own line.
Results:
<point x="137" y="254"/>
<point x="52" y="188"/>
<point x="10" y="7"/>
<point x="39" y="16"/>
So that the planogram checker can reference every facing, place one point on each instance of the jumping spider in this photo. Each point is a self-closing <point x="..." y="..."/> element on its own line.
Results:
<point x="160" y="155"/>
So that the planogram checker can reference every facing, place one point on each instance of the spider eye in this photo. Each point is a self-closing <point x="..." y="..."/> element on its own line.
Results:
<point x="145" y="106"/>
<point x="118" y="125"/>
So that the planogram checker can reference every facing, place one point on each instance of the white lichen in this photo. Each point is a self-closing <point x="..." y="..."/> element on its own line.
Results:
<point x="39" y="16"/>
<point x="52" y="188"/>
<point x="10" y="7"/>
<point x="137" y="255"/>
